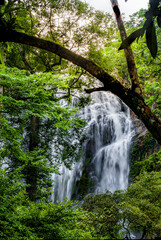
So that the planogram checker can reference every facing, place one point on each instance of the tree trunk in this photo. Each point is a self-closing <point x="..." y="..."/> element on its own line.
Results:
<point x="128" y="50"/>
<point x="31" y="170"/>
<point x="34" y="133"/>
<point x="132" y="98"/>
<point x="1" y="89"/>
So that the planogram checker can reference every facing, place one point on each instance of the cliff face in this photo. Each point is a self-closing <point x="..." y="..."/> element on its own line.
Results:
<point x="144" y="146"/>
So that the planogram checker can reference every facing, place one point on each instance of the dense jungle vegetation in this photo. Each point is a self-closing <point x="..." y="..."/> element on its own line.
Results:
<point x="37" y="115"/>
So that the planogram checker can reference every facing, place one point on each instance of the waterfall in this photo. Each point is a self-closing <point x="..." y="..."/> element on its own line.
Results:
<point x="106" y="149"/>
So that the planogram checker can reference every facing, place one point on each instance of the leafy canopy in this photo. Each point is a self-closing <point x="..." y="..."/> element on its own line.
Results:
<point x="154" y="13"/>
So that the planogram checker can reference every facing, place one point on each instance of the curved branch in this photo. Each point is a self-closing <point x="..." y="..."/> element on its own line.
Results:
<point x="131" y="98"/>
<point x="91" y="90"/>
<point x="109" y="82"/>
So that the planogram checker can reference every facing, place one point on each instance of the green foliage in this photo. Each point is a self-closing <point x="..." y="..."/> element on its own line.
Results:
<point x="153" y="90"/>
<point x="144" y="156"/>
<point x="147" y="164"/>
<point x="105" y="215"/>
<point x="151" y="39"/>
<point x="133" y="36"/>
<point x="148" y="68"/>
<point x="12" y="195"/>
<point x="123" y="213"/>
<point x="148" y="27"/>
<point x="71" y="23"/>
<point x="32" y="121"/>
<point x="110" y="59"/>
<point x="153" y="162"/>
<point x="58" y="221"/>
<point x="22" y="219"/>
<point x="141" y="206"/>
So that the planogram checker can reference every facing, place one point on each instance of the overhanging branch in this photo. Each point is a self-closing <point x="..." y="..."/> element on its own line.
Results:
<point x="109" y="82"/>
<point x="131" y="97"/>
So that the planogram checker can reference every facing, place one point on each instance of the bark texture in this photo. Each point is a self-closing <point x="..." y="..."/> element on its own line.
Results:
<point x="31" y="170"/>
<point x="131" y="97"/>
<point x="128" y="50"/>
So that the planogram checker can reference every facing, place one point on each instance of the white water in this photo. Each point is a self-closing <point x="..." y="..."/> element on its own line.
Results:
<point x="109" y="134"/>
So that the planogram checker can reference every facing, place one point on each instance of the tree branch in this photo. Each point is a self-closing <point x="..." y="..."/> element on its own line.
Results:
<point x="91" y="90"/>
<point x="110" y="82"/>
<point x="132" y="98"/>
<point x="128" y="50"/>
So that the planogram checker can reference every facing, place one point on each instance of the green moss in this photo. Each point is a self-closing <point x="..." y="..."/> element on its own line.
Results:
<point x="82" y="187"/>
<point x="144" y="156"/>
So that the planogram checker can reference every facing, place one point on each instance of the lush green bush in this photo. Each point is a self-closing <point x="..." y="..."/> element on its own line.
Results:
<point x="105" y="215"/>
<point x="55" y="221"/>
<point x="22" y="219"/>
<point x="137" y="209"/>
<point x="149" y="164"/>
<point x="141" y="206"/>
<point x="33" y="122"/>
<point x="145" y="156"/>
<point x="12" y="195"/>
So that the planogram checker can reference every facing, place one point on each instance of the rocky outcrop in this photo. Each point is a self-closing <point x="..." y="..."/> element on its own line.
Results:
<point x="143" y="146"/>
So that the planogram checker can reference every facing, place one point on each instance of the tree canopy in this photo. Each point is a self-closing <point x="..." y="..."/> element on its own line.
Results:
<point x="20" y="26"/>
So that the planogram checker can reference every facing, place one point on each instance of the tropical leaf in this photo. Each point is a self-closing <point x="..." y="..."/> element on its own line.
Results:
<point x="132" y="37"/>
<point x="151" y="39"/>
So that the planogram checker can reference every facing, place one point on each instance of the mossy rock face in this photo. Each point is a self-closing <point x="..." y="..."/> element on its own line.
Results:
<point x="81" y="187"/>
<point x="85" y="184"/>
<point x="143" y="148"/>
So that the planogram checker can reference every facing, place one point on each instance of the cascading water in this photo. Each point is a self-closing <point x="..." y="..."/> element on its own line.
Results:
<point x="109" y="134"/>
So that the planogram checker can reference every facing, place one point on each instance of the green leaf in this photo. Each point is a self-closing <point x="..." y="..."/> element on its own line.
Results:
<point x="131" y="38"/>
<point x="151" y="39"/>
